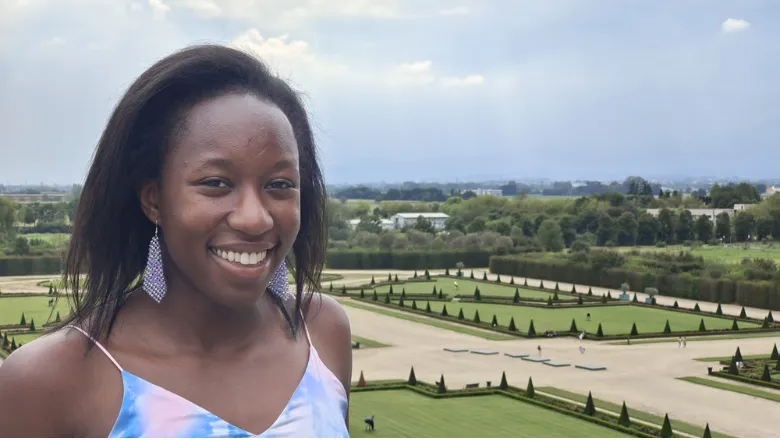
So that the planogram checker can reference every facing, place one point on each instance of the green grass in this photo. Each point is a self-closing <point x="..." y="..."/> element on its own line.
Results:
<point x="729" y="254"/>
<point x="633" y="413"/>
<point x="429" y="321"/>
<point x="23" y="338"/>
<point x="368" y="343"/>
<point x="733" y="387"/>
<point x="728" y="358"/>
<point x="54" y="239"/>
<point x="703" y="338"/>
<point x="466" y="287"/>
<point x="33" y="307"/>
<point x="614" y="319"/>
<point x="403" y="413"/>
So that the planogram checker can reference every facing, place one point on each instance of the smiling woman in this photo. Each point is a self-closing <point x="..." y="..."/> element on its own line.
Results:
<point x="204" y="185"/>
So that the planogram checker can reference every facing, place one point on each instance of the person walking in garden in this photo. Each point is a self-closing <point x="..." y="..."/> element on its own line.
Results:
<point x="685" y="341"/>
<point x="204" y="184"/>
<point x="539" y="349"/>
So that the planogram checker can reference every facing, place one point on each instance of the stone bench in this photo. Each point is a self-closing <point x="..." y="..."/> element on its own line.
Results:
<point x="471" y="386"/>
<point x="556" y="364"/>
<point x="590" y="367"/>
<point x="484" y="352"/>
<point x="516" y="355"/>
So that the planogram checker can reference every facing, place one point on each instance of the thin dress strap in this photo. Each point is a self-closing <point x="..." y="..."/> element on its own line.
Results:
<point x="103" y="349"/>
<point x="306" y="329"/>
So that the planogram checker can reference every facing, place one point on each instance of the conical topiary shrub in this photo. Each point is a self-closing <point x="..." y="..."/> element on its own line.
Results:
<point x="444" y="311"/>
<point x="675" y="305"/>
<point x="590" y="407"/>
<point x="738" y="355"/>
<point x="573" y="327"/>
<point x="372" y="281"/>
<point x="516" y="298"/>
<point x="666" y="429"/>
<point x="743" y="313"/>
<point x="362" y="293"/>
<point x="549" y="301"/>
<point x="573" y="289"/>
<point x="472" y="275"/>
<point x="412" y="378"/>
<point x="344" y="289"/>
<point x="719" y="310"/>
<point x="427" y="307"/>
<point x="512" y="280"/>
<point x="702" y="328"/>
<point x="374" y="296"/>
<point x="603" y="299"/>
<point x="476" y="317"/>
<point x="387" y="298"/>
<point x="23" y="321"/>
<point x="498" y="278"/>
<point x="555" y="297"/>
<point x="460" y="315"/>
<point x="733" y="367"/>
<point x="503" y="384"/>
<point x="531" y="329"/>
<point x="525" y="282"/>
<point x="707" y="433"/>
<point x="635" y="299"/>
<point x="362" y="380"/>
<point x="447" y="272"/>
<point x="590" y="291"/>
<point x="442" y="388"/>
<point x="484" y="276"/>
<point x="770" y="317"/>
<point x="32" y="325"/>
<point x="579" y="299"/>
<point x="667" y="327"/>
<point x="600" y="332"/>
<point x="766" y="376"/>
<point x="529" y="390"/>
<point x="427" y="275"/>
<point x="403" y="292"/>
<point x="624" y="420"/>
<point x="734" y="325"/>
<point x="634" y="331"/>
<point x="401" y="302"/>
<point x="414" y="305"/>
<point x="775" y="355"/>
<point x="512" y="327"/>
<point x="391" y="290"/>
<point x="696" y="308"/>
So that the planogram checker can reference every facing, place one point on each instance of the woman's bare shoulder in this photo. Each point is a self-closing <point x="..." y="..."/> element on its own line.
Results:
<point x="331" y="335"/>
<point x="39" y="383"/>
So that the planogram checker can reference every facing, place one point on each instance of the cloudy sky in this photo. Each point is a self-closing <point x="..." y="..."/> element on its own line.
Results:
<point x="426" y="89"/>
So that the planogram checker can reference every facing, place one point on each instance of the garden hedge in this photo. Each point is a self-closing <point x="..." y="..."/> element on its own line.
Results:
<point x="747" y="293"/>
<point x="403" y="260"/>
<point x="33" y="265"/>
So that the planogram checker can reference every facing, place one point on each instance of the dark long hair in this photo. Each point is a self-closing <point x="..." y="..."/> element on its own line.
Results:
<point x="111" y="234"/>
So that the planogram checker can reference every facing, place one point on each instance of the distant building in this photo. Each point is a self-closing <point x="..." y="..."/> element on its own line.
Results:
<point x="486" y="192"/>
<point x="770" y="191"/>
<point x="711" y="213"/>
<point x="403" y="219"/>
<point x="385" y="224"/>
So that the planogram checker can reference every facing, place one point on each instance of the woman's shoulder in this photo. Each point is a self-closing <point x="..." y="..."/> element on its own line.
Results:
<point x="331" y="335"/>
<point x="41" y="384"/>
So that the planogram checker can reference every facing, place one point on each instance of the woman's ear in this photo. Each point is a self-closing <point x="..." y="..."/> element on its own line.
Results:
<point x="149" y="196"/>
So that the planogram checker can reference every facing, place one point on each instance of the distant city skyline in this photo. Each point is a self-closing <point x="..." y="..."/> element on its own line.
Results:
<point x="438" y="90"/>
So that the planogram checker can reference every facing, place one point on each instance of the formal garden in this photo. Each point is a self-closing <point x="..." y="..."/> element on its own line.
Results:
<point x="512" y="306"/>
<point x="405" y="408"/>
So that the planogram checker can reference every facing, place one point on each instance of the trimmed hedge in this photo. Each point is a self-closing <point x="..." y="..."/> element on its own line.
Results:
<point x="34" y="265"/>
<point x="748" y="380"/>
<point x="403" y="260"/>
<point x="550" y="403"/>
<point x="747" y="293"/>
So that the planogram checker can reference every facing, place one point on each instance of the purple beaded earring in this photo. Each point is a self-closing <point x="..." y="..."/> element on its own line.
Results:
<point x="279" y="284"/>
<point x="154" y="277"/>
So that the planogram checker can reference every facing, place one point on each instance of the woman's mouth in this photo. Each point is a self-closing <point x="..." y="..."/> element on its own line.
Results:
<point x="242" y="258"/>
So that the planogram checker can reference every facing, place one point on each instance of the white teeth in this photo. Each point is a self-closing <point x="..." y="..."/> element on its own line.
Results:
<point x="245" y="258"/>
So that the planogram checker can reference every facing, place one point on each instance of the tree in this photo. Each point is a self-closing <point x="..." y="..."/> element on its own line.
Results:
<point x="503" y="385"/>
<point x="667" y="327"/>
<point x="707" y="433"/>
<point x="742" y="313"/>
<point x="648" y="229"/>
<point x="444" y="310"/>
<point x="704" y="228"/>
<point x="733" y="366"/>
<point x="21" y="246"/>
<point x="32" y="325"/>
<point x="460" y="315"/>
<point x="600" y="332"/>
<point x="634" y="331"/>
<point x="531" y="329"/>
<point x="667" y="221"/>
<point x="590" y="407"/>
<point x="624" y="420"/>
<point x="573" y="327"/>
<point x="702" y="328"/>
<point x="476" y="317"/>
<point x="734" y="325"/>
<point x="375" y="297"/>
<point x="607" y="230"/>
<point x="428" y="307"/>
<point x="550" y="236"/>
<point x="512" y="327"/>
<point x="516" y="298"/>
<point x="666" y="429"/>
<point x="401" y="302"/>
<point x="7" y="219"/>
<point x="723" y="226"/>
<point x="775" y="355"/>
<point x="23" y="321"/>
<point x="442" y="388"/>
<point x="744" y="225"/>
<point x="412" y="378"/>
<point x="719" y="310"/>
<point x="684" y="226"/>
<point x="362" y="380"/>
<point x="738" y="356"/>
<point x="627" y="229"/>
<point x="494" y="322"/>
<point x="529" y="390"/>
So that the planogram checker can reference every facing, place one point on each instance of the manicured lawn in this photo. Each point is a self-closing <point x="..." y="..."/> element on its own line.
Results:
<point x="635" y="414"/>
<point x="368" y="343"/>
<point x="728" y="358"/>
<point x="703" y="338"/>
<point x="769" y="395"/>
<point x="429" y="321"/>
<point x="402" y="413"/>
<point x="724" y="253"/>
<point x="24" y="338"/>
<point x="33" y="307"/>
<point x="53" y="239"/>
<point x="614" y="319"/>
<point x="466" y="287"/>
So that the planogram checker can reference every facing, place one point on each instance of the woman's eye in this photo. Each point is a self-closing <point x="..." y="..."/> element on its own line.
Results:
<point x="216" y="183"/>
<point x="282" y="184"/>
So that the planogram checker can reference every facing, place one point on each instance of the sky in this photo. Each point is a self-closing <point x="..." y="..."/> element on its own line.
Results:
<point x="426" y="90"/>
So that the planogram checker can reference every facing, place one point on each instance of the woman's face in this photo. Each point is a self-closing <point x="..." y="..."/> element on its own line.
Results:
<point x="229" y="200"/>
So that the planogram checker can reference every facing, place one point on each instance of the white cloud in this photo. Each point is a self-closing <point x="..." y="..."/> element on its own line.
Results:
<point x="469" y="80"/>
<point x="457" y="10"/>
<point x="159" y="9"/>
<point x="205" y="8"/>
<point x="735" y="25"/>
<point x="289" y="59"/>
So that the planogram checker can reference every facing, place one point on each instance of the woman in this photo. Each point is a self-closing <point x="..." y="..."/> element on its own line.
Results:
<point x="203" y="181"/>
